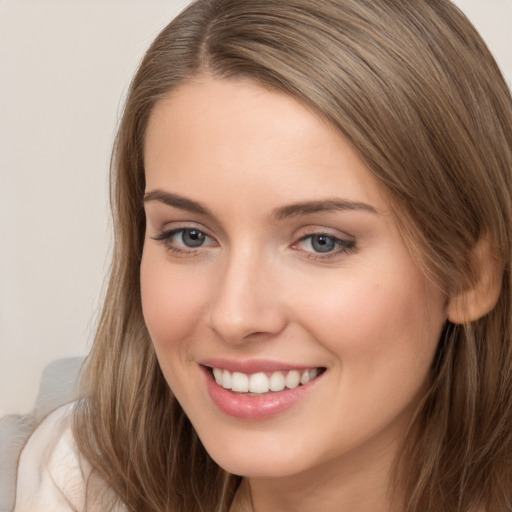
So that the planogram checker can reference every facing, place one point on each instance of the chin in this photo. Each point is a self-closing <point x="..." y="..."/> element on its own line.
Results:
<point x="257" y="458"/>
<point x="258" y="468"/>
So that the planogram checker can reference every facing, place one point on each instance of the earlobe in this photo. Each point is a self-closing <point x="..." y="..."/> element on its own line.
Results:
<point x="481" y="296"/>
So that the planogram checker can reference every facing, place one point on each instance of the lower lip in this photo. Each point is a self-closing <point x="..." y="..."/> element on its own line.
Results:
<point x="254" y="407"/>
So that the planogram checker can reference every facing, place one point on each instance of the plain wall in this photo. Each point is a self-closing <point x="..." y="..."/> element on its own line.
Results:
<point x="64" y="69"/>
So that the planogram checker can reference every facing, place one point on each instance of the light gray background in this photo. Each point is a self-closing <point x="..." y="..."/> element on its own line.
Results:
<point x="64" y="69"/>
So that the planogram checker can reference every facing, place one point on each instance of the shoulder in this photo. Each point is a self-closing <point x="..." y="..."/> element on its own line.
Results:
<point x="49" y="473"/>
<point x="52" y="476"/>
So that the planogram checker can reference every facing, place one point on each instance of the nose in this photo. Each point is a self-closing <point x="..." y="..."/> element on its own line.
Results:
<point x="247" y="304"/>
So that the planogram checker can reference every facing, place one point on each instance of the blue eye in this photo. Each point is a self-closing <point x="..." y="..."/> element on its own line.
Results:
<point x="184" y="240"/>
<point x="192" y="237"/>
<point x="321" y="244"/>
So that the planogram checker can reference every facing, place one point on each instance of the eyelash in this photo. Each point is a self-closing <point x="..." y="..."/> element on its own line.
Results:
<point x="342" y="246"/>
<point x="166" y="238"/>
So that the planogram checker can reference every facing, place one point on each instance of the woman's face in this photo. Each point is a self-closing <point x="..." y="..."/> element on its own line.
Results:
<point x="272" y="265"/>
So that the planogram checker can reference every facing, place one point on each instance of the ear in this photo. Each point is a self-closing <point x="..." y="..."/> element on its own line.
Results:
<point x="483" y="293"/>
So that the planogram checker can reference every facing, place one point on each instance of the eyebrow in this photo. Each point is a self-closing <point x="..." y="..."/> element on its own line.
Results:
<point x="292" y="210"/>
<point x="177" y="201"/>
<point x="327" y="205"/>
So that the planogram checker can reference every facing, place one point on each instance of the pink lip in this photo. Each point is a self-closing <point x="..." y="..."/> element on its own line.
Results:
<point x="251" y="366"/>
<point x="254" y="407"/>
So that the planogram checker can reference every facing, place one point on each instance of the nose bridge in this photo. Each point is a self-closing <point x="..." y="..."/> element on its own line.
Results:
<point x="244" y="305"/>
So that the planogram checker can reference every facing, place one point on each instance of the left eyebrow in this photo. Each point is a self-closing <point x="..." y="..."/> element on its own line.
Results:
<point x="310" y="207"/>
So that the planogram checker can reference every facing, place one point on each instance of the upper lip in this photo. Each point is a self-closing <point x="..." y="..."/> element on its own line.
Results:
<point x="250" y="366"/>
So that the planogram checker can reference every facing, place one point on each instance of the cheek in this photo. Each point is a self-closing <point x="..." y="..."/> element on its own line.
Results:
<point x="172" y="301"/>
<point x="378" y="329"/>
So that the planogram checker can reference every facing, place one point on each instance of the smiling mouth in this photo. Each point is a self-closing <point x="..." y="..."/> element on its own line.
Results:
<point x="264" y="382"/>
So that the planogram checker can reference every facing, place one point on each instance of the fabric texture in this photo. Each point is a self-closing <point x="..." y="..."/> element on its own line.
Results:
<point x="57" y="387"/>
<point x="52" y="476"/>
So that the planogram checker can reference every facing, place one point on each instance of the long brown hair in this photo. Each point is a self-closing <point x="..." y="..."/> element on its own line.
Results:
<point x="415" y="90"/>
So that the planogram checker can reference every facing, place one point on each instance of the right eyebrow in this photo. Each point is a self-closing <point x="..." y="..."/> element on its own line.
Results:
<point x="310" y="207"/>
<point x="176" y="201"/>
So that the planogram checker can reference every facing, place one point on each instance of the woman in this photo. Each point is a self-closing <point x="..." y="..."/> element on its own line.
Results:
<point x="310" y="299"/>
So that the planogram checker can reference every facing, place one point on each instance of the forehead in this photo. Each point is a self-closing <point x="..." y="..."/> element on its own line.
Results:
<point x="253" y="141"/>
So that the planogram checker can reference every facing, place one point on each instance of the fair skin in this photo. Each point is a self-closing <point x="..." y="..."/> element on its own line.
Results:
<point x="270" y="247"/>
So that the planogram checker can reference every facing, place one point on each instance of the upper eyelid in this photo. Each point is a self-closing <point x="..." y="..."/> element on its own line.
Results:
<point x="322" y="230"/>
<point x="304" y="210"/>
<point x="167" y="227"/>
<point x="173" y="231"/>
<point x="324" y="233"/>
<point x="344" y="241"/>
<point x="164" y="223"/>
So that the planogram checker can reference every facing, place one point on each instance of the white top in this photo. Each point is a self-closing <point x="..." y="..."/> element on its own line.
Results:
<point x="52" y="474"/>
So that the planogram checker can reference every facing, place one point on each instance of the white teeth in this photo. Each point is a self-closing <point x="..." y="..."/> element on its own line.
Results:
<point x="305" y="377"/>
<point x="276" y="382"/>
<point x="240" y="382"/>
<point x="226" y="379"/>
<point x="261" y="382"/>
<point x="292" y="380"/>
<point x="258" y="383"/>
<point x="218" y="373"/>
